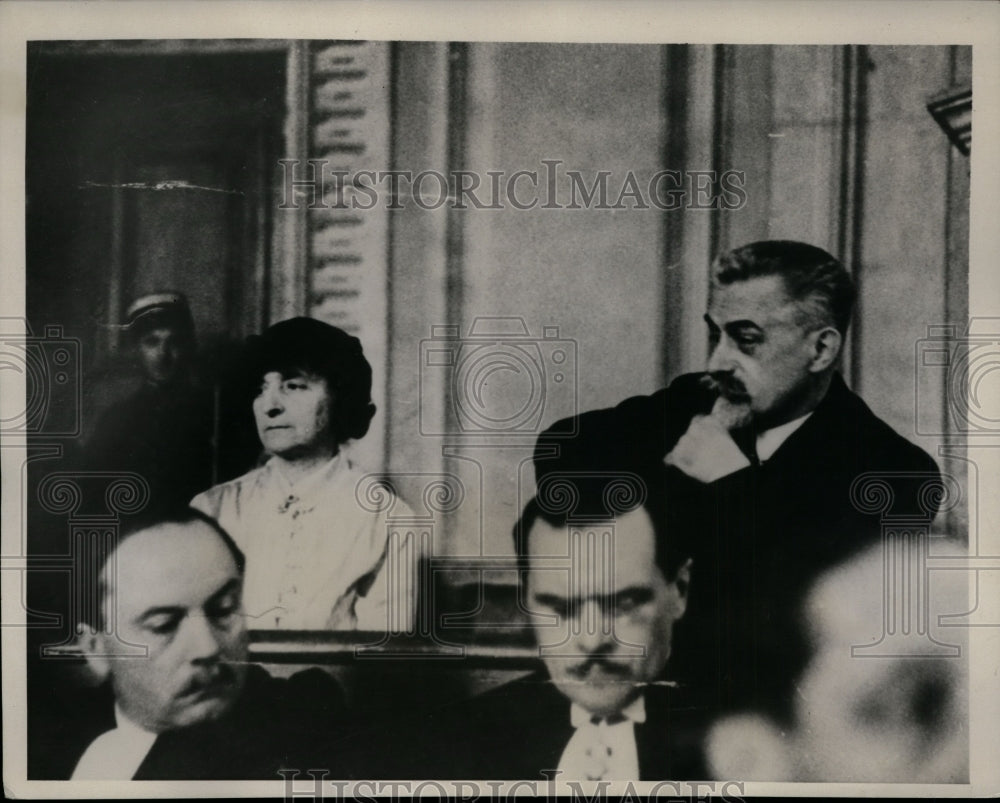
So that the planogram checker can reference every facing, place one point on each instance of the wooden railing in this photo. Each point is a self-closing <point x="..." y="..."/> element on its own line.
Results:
<point x="488" y="649"/>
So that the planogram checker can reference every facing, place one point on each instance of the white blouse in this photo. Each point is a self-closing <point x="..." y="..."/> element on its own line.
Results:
<point x="317" y="558"/>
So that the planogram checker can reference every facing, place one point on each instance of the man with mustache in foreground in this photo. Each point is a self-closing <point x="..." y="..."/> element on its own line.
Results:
<point x="603" y="581"/>
<point x="765" y="446"/>
<point x="181" y="701"/>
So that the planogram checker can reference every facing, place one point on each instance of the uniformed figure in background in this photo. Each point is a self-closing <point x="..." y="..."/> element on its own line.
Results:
<point x="163" y="431"/>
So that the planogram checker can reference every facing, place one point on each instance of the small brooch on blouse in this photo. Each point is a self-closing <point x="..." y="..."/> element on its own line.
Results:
<point x="284" y="506"/>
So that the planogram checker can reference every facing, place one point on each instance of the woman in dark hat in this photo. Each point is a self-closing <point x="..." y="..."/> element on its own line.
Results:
<point x="316" y="557"/>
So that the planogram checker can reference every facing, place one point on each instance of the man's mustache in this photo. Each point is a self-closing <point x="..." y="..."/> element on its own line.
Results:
<point x="582" y="669"/>
<point x="724" y="385"/>
<point x="215" y="677"/>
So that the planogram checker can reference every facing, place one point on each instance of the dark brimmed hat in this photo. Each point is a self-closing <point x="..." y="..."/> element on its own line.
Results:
<point x="157" y="310"/>
<point x="311" y="346"/>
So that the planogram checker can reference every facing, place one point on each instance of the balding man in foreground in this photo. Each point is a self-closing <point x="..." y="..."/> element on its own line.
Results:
<point x="179" y="699"/>
<point x="898" y="715"/>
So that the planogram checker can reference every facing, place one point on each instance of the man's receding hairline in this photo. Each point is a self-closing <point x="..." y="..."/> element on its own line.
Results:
<point x="565" y="526"/>
<point x="596" y="521"/>
<point x="116" y="552"/>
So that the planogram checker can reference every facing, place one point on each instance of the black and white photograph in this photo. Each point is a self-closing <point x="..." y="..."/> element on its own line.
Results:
<point x="491" y="399"/>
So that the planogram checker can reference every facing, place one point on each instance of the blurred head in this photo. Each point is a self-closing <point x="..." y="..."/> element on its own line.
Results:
<point x="161" y="328"/>
<point x="610" y="589"/>
<point x="778" y="312"/>
<point x="173" y="586"/>
<point x="312" y="388"/>
<point x="898" y="716"/>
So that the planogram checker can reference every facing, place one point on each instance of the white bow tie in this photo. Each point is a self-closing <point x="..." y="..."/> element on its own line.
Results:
<point x="633" y="712"/>
<point x="603" y="747"/>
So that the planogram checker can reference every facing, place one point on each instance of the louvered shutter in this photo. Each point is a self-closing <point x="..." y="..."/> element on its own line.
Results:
<point x="348" y="278"/>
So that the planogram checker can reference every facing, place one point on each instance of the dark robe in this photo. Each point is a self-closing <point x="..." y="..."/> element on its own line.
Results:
<point x="760" y="535"/>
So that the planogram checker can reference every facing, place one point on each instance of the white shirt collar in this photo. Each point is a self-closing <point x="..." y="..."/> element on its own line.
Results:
<point x="770" y="440"/>
<point x="116" y="754"/>
<point x="124" y="723"/>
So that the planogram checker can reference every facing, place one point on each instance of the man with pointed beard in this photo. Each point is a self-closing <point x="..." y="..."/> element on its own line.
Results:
<point x="766" y="447"/>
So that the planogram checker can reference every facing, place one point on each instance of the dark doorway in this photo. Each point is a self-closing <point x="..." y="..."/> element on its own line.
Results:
<point x="149" y="172"/>
<point x="145" y="171"/>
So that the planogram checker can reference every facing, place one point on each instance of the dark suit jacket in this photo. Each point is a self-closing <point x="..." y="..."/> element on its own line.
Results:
<point x="162" y="433"/>
<point x="275" y="724"/>
<point x="517" y="730"/>
<point x="760" y="535"/>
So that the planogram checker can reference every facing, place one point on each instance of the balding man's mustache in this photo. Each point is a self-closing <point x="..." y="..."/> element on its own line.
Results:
<point x="215" y="677"/>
